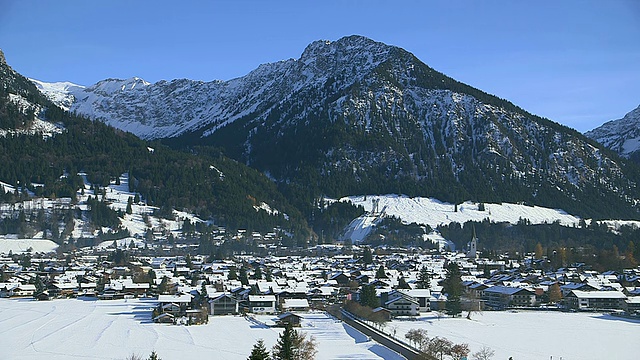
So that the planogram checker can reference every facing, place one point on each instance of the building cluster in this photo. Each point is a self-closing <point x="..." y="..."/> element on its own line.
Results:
<point x="188" y="289"/>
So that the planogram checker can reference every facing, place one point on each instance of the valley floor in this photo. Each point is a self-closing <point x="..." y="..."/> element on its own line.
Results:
<point x="534" y="335"/>
<point x="90" y="329"/>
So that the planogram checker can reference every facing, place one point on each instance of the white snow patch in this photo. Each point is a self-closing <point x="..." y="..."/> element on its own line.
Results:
<point x="23" y="245"/>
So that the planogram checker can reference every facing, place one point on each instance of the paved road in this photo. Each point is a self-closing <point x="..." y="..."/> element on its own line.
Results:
<point x="403" y="349"/>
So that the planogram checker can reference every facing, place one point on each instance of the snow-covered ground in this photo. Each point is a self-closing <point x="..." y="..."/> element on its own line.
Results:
<point x="535" y="335"/>
<point x="83" y="329"/>
<point x="17" y="246"/>
<point x="432" y="212"/>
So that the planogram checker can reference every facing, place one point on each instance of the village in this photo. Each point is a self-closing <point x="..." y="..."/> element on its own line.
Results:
<point x="190" y="290"/>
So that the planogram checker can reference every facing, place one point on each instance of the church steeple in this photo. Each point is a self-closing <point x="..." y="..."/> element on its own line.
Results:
<point x="473" y="245"/>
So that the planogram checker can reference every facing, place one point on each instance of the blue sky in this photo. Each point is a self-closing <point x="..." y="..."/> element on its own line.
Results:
<point x="576" y="62"/>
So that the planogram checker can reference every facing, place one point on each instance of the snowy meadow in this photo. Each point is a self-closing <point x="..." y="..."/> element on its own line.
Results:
<point x="91" y="329"/>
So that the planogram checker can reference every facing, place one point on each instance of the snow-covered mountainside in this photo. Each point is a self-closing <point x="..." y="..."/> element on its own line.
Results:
<point x="62" y="94"/>
<point x="432" y="212"/>
<point x="169" y="108"/>
<point x="622" y="135"/>
<point x="357" y="116"/>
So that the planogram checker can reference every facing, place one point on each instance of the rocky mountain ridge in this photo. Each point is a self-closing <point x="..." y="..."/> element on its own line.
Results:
<point x="357" y="116"/>
<point x="622" y="135"/>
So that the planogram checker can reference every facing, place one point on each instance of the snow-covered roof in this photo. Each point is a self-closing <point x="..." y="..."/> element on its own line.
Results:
<point x="612" y="294"/>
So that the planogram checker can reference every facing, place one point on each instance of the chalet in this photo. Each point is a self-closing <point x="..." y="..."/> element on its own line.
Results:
<point x="632" y="305"/>
<point x="341" y="279"/>
<point x="567" y="288"/>
<point x="423" y="296"/>
<point x="295" y="305"/>
<point x="288" y="318"/>
<point x="224" y="304"/>
<point x="381" y="313"/>
<point x="23" y="290"/>
<point x="262" y="304"/>
<point x="477" y="289"/>
<point x="401" y="304"/>
<point x="595" y="300"/>
<point x="502" y="297"/>
<point x="64" y="289"/>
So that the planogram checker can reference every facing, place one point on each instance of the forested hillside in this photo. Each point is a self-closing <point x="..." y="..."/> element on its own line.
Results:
<point x="47" y="164"/>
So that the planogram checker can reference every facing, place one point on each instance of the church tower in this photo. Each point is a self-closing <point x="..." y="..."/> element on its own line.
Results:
<point x="473" y="246"/>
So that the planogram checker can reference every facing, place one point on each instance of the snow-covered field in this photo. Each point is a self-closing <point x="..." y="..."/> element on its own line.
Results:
<point x="90" y="329"/>
<point x="536" y="335"/>
<point x="432" y="212"/>
<point x="17" y="246"/>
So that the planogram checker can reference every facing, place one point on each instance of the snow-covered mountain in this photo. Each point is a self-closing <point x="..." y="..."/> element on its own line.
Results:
<point x="170" y="108"/>
<point x="622" y="135"/>
<point x="357" y="116"/>
<point x="62" y="94"/>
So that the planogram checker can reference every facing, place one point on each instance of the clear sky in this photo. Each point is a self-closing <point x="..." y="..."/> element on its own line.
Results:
<point x="576" y="62"/>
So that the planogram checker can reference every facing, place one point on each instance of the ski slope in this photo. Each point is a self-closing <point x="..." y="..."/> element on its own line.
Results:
<point x="432" y="212"/>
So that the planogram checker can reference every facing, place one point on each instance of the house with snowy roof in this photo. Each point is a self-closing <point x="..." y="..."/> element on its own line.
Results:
<point x="262" y="304"/>
<point x="502" y="297"/>
<point x="595" y="300"/>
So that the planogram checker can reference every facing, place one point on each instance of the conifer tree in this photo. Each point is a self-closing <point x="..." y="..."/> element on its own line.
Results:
<point x="283" y="349"/>
<point x="129" y="207"/>
<point x="453" y="288"/>
<point x="368" y="296"/>
<point x="293" y="345"/>
<point x="259" y="351"/>
<point x="367" y="256"/>
<point x="424" y="278"/>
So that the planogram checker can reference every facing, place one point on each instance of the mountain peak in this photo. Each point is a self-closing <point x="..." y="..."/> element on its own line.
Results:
<point x="351" y="43"/>
<point x="347" y="53"/>
<point x="110" y="86"/>
<point x="2" y="59"/>
<point x="622" y="135"/>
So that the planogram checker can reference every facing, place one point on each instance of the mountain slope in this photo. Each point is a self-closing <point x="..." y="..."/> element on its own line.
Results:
<point x="621" y="136"/>
<point x="48" y="164"/>
<point x="357" y="116"/>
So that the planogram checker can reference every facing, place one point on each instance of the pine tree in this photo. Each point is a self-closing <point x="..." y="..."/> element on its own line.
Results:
<point x="244" y="280"/>
<point x="259" y="351"/>
<point x="380" y="274"/>
<point x="368" y="296"/>
<point x="233" y="275"/>
<point x="424" y="278"/>
<point x="453" y="287"/>
<point x="367" y="256"/>
<point x="204" y="296"/>
<point x="293" y="345"/>
<point x="154" y="356"/>
<point x="129" y="205"/>
<point x="283" y="349"/>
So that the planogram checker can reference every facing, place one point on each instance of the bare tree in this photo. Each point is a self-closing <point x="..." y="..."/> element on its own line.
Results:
<point x="485" y="353"/>
<point x="472" y="304"/>
<point x="418" y="337"/>
<point x="439" y="347"/>
<point x="459" y="351"/>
